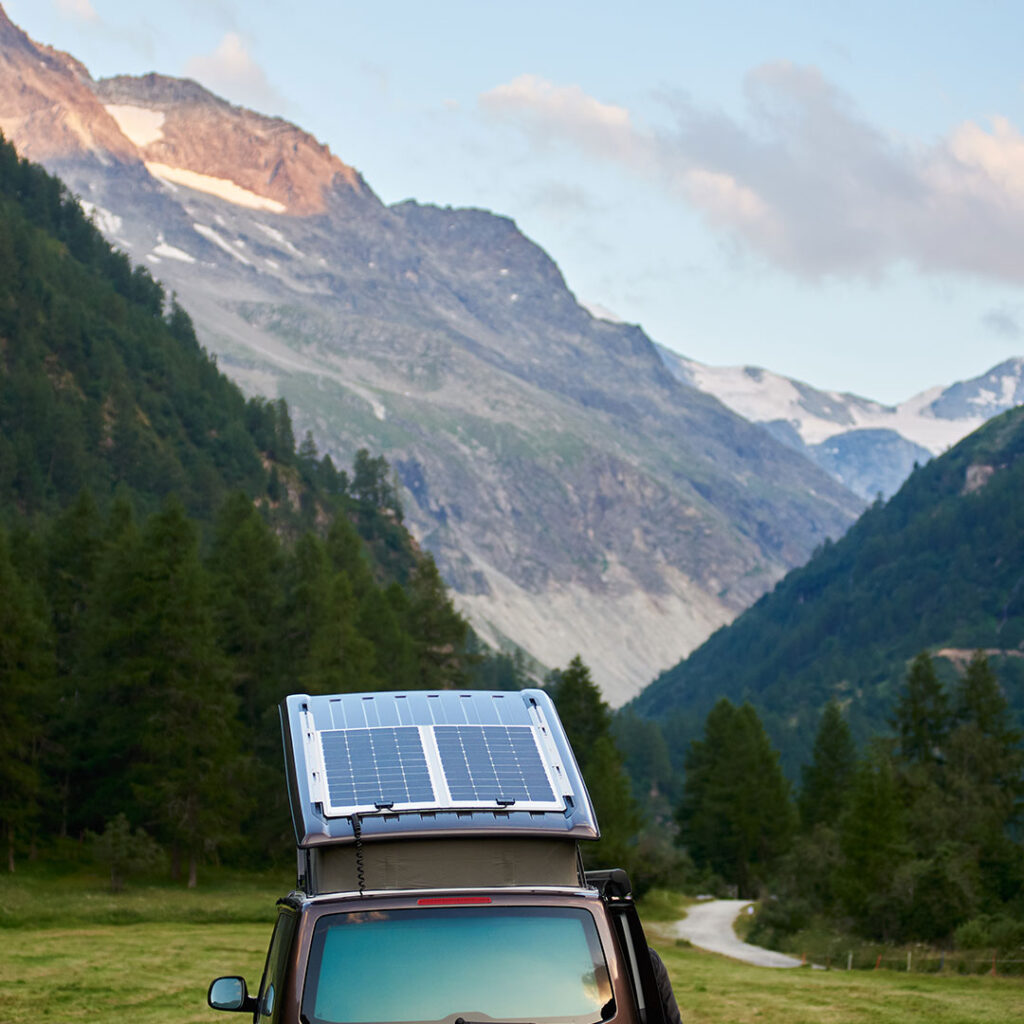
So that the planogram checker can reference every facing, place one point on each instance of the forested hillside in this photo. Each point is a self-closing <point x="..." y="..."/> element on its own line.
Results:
<point x="939" y="567"/>
<point x="914" y="840"/>
<point x="170" y="564"/>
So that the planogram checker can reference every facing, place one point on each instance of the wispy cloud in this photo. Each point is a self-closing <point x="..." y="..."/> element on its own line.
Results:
<point x="1004" y="322"/>
<point x="553" y="113"/>
<point x="803" y="178"/>
<point x="231" y="71"/>
<point x="78" y="10"/>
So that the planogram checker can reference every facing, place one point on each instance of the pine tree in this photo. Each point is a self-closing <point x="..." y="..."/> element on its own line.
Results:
<point x="922" y="714"/>
<point x="75" y="545"/>
<point x="347" y="553"/>
<point x="873" y="841"/>
<point x="162" y="743"/>
<point x="192" y="773"/>
<point x="736" y="816"/>
<point x="587" y="721"/>
<point x="381" y="617"/>
<point x="437" y="629"/>
<point x="370" y="485"/>
<point x="246" y="567"/>
<point x="584" y="713"/>
<point x="326" y="652"/>
<point x="826" y="780"/>
<point x="985" y="779"/>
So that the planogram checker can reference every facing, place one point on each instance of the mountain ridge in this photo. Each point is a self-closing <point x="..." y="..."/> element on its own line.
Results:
<point x="866" y="445"/>
<point x="578" y="498"/>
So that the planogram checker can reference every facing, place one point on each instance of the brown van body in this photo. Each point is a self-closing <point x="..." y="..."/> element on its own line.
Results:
<point x="298" y="915"/>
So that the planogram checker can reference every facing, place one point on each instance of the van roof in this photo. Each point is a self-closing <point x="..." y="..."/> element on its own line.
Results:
<point x="426" y="763"/>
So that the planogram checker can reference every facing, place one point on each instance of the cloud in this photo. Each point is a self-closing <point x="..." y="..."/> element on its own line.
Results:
<point x="1004" y="322"/>
<point x="551" y="113"/>
<point x="232" y="72"/>
<point x="803" y="179"/>
<point x="81" y="10"/>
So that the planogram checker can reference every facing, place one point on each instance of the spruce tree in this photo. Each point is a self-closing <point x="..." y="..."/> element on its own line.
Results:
<point x="437" y="629"/>
<point x="191" y="780"/>
<point x="164" y="747"/>
<point x="736" y="815"/>
<point x="873" y="840"/>
<point x="246" y="567"/>
<point x="587" y="721"/>
<point x="922" y="714"/>
<point x="985" y="780"/>
<point x="826" y="780"/>
<point x="584" y="713"/>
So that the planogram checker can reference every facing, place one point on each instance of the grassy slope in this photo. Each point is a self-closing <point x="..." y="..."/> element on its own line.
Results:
<point x="64" y="960"/>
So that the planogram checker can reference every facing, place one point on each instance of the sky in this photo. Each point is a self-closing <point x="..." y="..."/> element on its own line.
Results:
<point x="833" y="191"/>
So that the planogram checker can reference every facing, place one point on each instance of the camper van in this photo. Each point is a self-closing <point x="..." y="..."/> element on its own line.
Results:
<point x="439" y="873"/>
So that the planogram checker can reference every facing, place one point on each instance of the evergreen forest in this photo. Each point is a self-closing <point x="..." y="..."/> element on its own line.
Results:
<point x="916" y="838"/>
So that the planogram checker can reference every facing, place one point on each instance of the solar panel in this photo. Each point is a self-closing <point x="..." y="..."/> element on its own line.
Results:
<point x="375" y="767"/>
<point x="432" y="767"/>
<point x="492" y="763"/>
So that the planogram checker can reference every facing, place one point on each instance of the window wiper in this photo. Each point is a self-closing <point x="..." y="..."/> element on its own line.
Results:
<point x="462" y="1020"/>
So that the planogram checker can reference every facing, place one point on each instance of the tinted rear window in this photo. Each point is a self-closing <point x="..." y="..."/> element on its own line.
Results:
<point x="538" y="964"/>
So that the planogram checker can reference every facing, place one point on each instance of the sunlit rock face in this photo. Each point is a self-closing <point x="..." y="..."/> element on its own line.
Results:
<point x="577" y="497"/>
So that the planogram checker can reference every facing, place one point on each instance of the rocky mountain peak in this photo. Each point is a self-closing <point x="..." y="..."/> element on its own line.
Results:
<point x="574" y="494"/>
<point x="47" y="107"/>
<point x="187" y="135"/>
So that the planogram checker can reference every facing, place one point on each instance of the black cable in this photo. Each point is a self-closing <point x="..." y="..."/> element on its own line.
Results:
<point x="357" y="830"/>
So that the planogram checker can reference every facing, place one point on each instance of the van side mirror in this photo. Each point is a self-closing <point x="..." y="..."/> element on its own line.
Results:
<point x="230" y="994"/>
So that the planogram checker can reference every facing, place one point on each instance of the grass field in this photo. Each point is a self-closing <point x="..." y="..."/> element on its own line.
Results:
<point x="73" y="952"/>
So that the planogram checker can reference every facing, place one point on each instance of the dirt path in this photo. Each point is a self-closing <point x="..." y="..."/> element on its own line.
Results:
<point x="710" y="926"/>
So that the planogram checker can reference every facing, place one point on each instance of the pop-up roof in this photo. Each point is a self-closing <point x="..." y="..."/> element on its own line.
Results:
<point x="429" y="764"/>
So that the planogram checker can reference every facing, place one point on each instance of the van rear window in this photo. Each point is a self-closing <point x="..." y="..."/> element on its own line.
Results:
<point x="542" y="965"/>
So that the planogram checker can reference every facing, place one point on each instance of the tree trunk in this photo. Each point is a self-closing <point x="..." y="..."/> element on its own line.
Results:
<point x="10" y="850"/>
<point x="193" y="870"/>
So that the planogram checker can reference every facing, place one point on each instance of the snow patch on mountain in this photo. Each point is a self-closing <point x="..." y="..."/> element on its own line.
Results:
<point x="279" y="238"/>
<point x="222" y="243"/>
<point x="140" y="124"/>
<point x="929" y="419"/>
<point x="868" y="446"/>
<point x="222" y="188"/>
<point x="109" y="223"/>
<point x="172" y="252"/>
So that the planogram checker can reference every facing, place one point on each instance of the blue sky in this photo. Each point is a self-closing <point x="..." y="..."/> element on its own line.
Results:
<point x="832" y="191"/>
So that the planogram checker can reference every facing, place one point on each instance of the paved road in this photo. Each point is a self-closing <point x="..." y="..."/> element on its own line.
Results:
<point x="710" y="926"/>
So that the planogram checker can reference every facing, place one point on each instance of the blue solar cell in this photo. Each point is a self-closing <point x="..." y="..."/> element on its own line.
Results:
<point x="485" y="763"/>
<point x="384" y="765"/>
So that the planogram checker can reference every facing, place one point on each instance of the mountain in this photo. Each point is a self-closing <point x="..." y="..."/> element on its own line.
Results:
<point x="574" y="493"/>
<point x="171" y="566"/>
<point x="939" y="567"/>
<point x="869" y="447"/>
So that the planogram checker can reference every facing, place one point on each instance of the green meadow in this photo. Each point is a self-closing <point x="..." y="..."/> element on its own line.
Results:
<point x="74" y="952"/>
